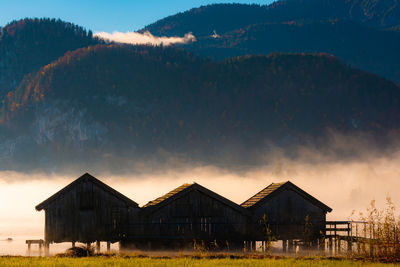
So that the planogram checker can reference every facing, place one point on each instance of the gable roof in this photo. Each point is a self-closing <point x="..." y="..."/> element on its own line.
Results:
<point x="87" y="178"/>
<point x="261" y="195"/>
<point x="183" y="190"/>
<point x="167" y="195"/>
<point x="274" y="189"/>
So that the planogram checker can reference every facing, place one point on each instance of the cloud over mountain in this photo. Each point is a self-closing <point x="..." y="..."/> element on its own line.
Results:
<point x="145" y="38"/>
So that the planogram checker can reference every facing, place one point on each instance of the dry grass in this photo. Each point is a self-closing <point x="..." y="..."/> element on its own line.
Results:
<point x="380" y="234"/>
<point x="184" y="261"/>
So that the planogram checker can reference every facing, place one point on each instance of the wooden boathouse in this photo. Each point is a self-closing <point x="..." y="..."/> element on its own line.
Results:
<point x="87" y="211"/>
<point x="283" y="211"/>
<point x="191" y="215"/>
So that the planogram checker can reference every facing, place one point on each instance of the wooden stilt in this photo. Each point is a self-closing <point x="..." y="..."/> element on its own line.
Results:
<point x="98" y="246"/>
<point x="371" y="248"/>
<point x="108" y="246"/>
<point x="46" y="248"/>
<point x="349" y="245"/>
<point x="290" y="246"/>
<point x="40" y="248"/>
<point x="284" y="246"/>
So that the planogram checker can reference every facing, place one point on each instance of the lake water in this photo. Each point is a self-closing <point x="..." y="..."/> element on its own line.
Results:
<point x="18" y="247"/>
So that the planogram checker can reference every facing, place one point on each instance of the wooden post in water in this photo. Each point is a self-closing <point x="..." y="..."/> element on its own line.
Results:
<point x="365" y="238"/>
<point x="349" y="245"/>
<point x="46" y="248"/>
<point x="98" y="246"/>
<point x="284" y="246"/>
<point x="290" y="246"/>
<point x="321" y="245"/>
<point x="336" y="238"/>
<point x="40" y="243"/>
<point x="40" y="248"/>
<point x="358" y="240"/>
<point x="349" y="241"/>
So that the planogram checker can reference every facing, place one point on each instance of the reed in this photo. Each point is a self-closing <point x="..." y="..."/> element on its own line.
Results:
<point x="378" y="233"/>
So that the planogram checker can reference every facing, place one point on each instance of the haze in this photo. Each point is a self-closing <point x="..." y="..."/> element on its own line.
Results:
<point x="344" y="186"/>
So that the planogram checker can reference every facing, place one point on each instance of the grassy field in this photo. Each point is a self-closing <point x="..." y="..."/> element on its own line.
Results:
<point x="136" y="261"/>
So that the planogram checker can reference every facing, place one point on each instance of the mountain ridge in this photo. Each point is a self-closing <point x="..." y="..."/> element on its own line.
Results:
<point x="367" y="12"/>
<point x="367" y="28"/>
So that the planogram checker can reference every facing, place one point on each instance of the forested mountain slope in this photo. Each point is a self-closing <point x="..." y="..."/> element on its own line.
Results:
<point x="368" y="49"/>
<point x="109" y="104"/>
<point x="29" y="44"/>
<point x="223" y="18"/>
<point x="362" y="33"/>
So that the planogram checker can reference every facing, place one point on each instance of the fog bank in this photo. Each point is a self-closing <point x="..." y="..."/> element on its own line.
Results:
<point x="145" y="38"/>
<point x="344" y="186"/>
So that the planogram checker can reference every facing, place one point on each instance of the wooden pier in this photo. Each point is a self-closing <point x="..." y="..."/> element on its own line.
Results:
<point x="355" y="236"/>
<point x="40" y="242"/>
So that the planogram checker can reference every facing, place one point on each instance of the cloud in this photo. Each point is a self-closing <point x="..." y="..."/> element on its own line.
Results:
<point x="145" y="38"/>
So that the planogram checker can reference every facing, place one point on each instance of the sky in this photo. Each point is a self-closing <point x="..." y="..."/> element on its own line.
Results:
<point x="103" y="15"/>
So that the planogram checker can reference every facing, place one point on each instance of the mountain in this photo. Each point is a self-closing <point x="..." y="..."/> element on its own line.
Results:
<point x="368" y="49"/>
<point x="27" y="45"/>
<point x="111" y="105"/>
<point x="376" y="14"/>
<point x="223" y="18"/>
<point x="203" y="21"/>
<point x="362" y="33"/>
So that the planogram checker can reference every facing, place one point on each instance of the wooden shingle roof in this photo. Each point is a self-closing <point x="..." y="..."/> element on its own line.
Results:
<point x="261" y="195"/>
<point x="274" y="189"/>
<point x="186" y="188"/>
<point x="87" y="178"/>
<point x="166" y="196"/>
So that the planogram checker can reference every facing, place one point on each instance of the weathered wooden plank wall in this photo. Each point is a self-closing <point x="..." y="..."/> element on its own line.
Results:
<point x="286" y="214"/>
<point x="195" y="216"/>
<point x="87" y="213"/>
